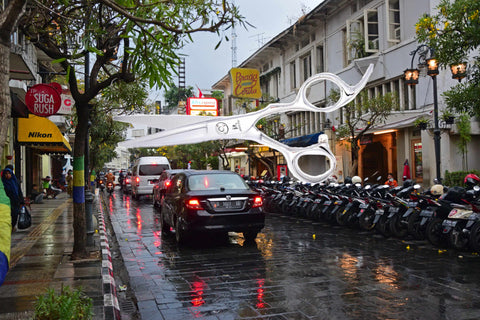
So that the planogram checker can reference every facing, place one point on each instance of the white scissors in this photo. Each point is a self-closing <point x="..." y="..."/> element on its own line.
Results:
<point x="185" y="129"/>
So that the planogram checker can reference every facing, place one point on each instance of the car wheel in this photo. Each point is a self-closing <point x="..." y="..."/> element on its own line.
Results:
<point x="165" y="227"/>
<point x="180" y="234"/>
<point x="250" y="235"/>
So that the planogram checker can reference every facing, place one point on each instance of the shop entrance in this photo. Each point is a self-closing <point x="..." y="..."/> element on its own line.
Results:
<point x="375" y="158"/>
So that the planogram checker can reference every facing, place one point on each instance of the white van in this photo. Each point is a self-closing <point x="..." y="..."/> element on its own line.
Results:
<point x="145" y="173"/>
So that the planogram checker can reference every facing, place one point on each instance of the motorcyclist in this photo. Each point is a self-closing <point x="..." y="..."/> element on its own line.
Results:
<point x="110" y="177"/>
<point x="121" y="178"/>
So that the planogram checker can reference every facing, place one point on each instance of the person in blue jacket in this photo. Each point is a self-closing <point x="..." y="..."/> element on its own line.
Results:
<point x="14" y="192"/>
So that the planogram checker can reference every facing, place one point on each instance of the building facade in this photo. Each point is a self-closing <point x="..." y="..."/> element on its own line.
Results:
<point x="35" y="146"/>
<point x="345" y="37"/>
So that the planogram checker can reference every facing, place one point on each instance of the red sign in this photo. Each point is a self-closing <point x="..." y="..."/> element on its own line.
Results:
<point x="43" y="100"/>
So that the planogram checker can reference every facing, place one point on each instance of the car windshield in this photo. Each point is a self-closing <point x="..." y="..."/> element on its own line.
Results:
<point x="151" y="169"/>
<point x="216" y="181"/>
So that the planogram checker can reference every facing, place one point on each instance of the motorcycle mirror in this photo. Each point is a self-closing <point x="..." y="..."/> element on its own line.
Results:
<point x="368" y="187"/>
<point x="365" y="180"/>
<point x="379" y="178"/>
<point x="358" y="185"/>
<point x="417" y="186"/>
<point x="476" y="188"/>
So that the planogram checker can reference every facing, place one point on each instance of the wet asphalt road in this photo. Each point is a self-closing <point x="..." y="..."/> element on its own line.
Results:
<point x="297" y="269"/>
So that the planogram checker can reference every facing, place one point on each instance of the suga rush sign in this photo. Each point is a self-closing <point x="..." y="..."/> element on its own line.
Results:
<point x="246" y="83"/>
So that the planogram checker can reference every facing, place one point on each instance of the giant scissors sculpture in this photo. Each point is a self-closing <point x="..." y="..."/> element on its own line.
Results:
<point x="184" y="129"/>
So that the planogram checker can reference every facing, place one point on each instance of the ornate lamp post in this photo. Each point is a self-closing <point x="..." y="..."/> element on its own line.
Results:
<point x="411" y="78"/>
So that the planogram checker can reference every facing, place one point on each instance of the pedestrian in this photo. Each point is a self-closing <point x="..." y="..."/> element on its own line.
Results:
<point x="391" y="182"/>
<point x="5" y="233"/>
<point x="14" y="193"/>
<point x="35" y="195"/>
<point x="69" y="180"/>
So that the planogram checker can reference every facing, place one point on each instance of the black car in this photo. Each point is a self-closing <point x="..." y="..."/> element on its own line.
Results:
<point x="211" y="201"/>
<point x="161" y="186"/>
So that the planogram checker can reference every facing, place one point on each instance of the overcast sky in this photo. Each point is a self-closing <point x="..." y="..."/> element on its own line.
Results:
<point x="204" y="66"/>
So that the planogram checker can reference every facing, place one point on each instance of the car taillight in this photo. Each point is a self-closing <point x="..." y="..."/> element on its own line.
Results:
<point x="257" y="202"/>
<point x="194" y="204"/>
<point x="127" y="181"/>
<point x="137" y="180"/>
<point x="167" y="183"/>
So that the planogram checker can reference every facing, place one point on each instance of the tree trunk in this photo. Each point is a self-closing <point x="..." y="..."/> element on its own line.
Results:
<point x="5" y="101"/>
<point x="79" y="220"/>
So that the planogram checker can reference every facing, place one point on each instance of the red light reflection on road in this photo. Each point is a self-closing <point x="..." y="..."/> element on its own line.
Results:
<point x="260" y="294"/>
<point x="197" y="293"/>
<point x="110" y="204"/>
<point x="139" y="221"/>
<point x="158" y="241"/>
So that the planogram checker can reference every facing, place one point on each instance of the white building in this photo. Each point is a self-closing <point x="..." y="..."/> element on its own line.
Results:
<point x="330" y="38"/>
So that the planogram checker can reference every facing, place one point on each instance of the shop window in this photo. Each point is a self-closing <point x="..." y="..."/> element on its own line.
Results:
<point x="320" y="60"/>
<point x="417" y="169"/>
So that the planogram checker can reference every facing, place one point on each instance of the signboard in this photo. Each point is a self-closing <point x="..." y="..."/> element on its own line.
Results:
<point x="43" y="100"/>
<point x="202" y="107"/>
<point x="66" y="105"/>
<point x="245" y="83"/>
<point x="366" y="139"/>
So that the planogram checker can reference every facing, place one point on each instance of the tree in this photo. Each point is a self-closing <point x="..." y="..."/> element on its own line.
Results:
<point x="360" y="116"/>
<point x="122" y="41"/>
<point x="174" y="95"/>
<point x="105" y="134"/>
<point x="454" y="34"/>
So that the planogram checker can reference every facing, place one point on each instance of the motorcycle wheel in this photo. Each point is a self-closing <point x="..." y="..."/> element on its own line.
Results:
<point x="341" y="217"/>
<point x="285" y="208"/>
<point x="457" y="239"/>
<point x="383" y="227"/>
<point x="398" y="228"/>
<point x="365" y="221"/>
<point x="414" y="228"/>
<point x="434" y="232"/>
<point x="474" y="240"/>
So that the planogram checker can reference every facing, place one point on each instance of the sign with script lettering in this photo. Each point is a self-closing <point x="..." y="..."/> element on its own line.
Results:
<point x="43" y="100"/>
<point x="245" y="83"/>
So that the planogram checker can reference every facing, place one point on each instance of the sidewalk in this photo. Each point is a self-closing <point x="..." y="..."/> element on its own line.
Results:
<point x="40" y="259"/>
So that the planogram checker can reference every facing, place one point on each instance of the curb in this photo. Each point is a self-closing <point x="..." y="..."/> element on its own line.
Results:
<point x="110" y="307"/>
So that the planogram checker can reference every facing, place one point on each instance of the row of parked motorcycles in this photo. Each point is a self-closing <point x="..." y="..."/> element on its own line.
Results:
<point x="446" y="217"/>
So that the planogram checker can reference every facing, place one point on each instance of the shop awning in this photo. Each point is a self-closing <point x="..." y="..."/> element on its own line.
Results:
<point x="303" y="141"/>
<point x="42" y="134"/>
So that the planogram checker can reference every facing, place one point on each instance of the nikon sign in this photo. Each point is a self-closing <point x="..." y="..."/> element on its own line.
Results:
<point x="43" y="100"/>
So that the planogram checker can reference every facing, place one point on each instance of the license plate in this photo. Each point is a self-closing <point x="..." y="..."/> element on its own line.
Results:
<point x="379" y="212"/>
<point x="234" y="204"/>
<point x="449" y="223"/>
<point x="327" y="203"/>
<point x="393" y="210"/>
<point x="426" y="213"/>
<point x="151" y="181"/>
<point x="412" y="204"/>
<point x="363" y="206"/>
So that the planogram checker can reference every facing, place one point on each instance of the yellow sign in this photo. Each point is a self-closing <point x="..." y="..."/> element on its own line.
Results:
<point x="245" y="83"/>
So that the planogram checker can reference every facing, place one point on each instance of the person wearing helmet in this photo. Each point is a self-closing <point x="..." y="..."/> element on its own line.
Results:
<point x="110" y="177"/>
<point x="356" y="179"/>
<point x="347" y="180"/>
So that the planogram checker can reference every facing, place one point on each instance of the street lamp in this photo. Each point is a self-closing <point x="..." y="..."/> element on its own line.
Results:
<point x="411" y="78"/>
<point x="459" y="70"/>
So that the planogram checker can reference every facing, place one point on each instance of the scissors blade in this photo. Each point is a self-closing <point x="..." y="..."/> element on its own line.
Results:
<point x="184" y="135"/>
<point x="163" y="121"/>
